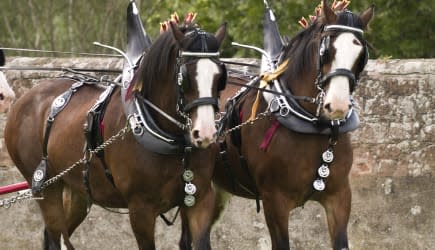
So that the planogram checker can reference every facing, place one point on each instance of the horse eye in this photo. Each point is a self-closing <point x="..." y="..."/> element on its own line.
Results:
<point x="356" y="42"/>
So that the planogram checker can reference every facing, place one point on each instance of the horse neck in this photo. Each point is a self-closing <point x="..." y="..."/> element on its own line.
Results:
<point x="301" y="74"/>
<point x="161" y="91"/>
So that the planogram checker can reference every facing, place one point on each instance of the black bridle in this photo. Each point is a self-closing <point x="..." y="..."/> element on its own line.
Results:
<point x="323" y="51"/>
<point x="322" y="79"/>
<point x="184" y="58"/>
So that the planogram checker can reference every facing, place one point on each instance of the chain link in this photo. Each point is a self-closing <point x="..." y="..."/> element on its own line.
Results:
<point x="27" y="194"/>
<point x="248" y="122"/>
<point x="22" y="196"/>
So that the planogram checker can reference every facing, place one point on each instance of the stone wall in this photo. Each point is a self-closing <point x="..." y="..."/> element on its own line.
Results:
<point x="392" y="177"/>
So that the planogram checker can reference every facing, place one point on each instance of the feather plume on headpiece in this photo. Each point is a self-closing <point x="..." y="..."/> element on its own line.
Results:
<point x="188" y="19"/>
<point x="336" y="6"/>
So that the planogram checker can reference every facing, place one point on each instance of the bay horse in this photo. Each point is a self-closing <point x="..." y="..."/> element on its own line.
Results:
<point x="170" y="106"/>
<point x="302" y="150"/>
<point x="7" y="95"/>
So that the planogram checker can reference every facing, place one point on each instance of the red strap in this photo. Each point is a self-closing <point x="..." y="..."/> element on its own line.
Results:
<point x="269" y="134"/>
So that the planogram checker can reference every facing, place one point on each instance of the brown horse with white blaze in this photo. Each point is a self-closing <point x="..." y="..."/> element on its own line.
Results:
<point x="302" y="151"/>
<point x="170" y="106"/>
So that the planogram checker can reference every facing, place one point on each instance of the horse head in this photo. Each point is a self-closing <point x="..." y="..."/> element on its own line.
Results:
<point x="7" y="95"/>
<point x="333" y="54"/>
<point x="343" y="58"/>
<point x="188" y="60"/>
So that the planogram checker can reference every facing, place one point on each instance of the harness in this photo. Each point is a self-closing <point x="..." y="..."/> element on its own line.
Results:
<point x="58" y="104"/>
<point x="293" y="116"/>
<point x="289" y="113"/>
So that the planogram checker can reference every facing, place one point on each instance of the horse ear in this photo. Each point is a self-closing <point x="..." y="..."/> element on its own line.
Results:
<point x="367" y="15"/>
<point x="221" y="32"/>
<point x="329" y="14"/>
<point x="176" y="32"/>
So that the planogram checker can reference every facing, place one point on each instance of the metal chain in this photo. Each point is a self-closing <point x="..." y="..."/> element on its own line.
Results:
<point x="6" y="203"/>
<point x="22" y="196"/>
<point x="258" y="117"/>
<point x="85" y="158"/>
<point x="186" y="117"/>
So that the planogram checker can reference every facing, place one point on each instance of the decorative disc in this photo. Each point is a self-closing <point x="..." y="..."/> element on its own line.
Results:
<point x="190" y="188"/>
<point x="189" y="200"/>
<point x="188" y="175"/>
<point x="319" y="185"/>
<point x="328" y="156"/>
<point x="59" y="102"/>
<point x="323" y="171"/>
<point x="38" y="175"/>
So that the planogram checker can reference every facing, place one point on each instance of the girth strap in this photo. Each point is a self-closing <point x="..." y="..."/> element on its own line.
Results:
<point x="224" y="157"/>
<point x="93" y="130"/>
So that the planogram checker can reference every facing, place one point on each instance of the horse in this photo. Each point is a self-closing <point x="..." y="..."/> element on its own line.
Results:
<point x="299" y="148"/>
<point x="7" y="95"/>
<point x="161" y="160"/>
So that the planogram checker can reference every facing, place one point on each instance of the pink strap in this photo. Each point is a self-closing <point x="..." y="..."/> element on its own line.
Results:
<point x="269" y="134"/>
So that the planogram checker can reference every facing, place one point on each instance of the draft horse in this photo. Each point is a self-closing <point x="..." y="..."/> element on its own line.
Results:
<point x="7" y="95"/>
<point x="170" y="106"/>
<point x="302" y="151"/>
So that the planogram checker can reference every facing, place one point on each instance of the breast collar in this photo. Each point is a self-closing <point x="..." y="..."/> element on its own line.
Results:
<point x="147" y="132"/>
<point x="296" y="118"/>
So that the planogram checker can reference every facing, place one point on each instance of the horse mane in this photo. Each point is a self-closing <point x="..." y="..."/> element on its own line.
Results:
<point x="302" y="50"/>
<point x="159" y="60"/>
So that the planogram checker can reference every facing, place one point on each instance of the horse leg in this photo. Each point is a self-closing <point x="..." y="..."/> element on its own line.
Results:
<point x="221" y="200"/>
<point x="276" y="212"/>
<point x="337" y="207"/>
<point x="75" y="207"/>
<point x="199" y="219"/>
<point x="185" y="242"/>
<point x="54" y="218"/>
<point x="142" y="220"/>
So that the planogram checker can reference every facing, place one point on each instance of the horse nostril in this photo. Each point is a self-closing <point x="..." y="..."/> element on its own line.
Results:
<point x="195" y="134"/>
<point x="328" y="107"/>
<point x="2" y="97"/>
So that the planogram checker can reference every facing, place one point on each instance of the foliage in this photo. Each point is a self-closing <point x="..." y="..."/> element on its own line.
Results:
<point x="400" y="28"/>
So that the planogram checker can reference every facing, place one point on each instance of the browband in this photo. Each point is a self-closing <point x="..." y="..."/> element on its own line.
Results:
<point x="343" y="27"/>
<point x="199" y="54"/>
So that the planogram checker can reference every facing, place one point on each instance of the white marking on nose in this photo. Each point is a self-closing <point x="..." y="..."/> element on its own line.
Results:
<point x="337" y="99"/>
<point x="62" y="243"/>
<point x="7" y="95"/>
<point x="204" y="129"/>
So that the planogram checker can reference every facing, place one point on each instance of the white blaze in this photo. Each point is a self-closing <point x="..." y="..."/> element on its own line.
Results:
<point x="7" y="93"/>
<point x="205" y="121"/>
<point x="338" y="94"/>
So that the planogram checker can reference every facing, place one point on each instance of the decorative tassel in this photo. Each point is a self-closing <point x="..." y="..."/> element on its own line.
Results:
<point x="164" y="27"/>
<point x="189" y="18"/>
<point x="335" y="6"/>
